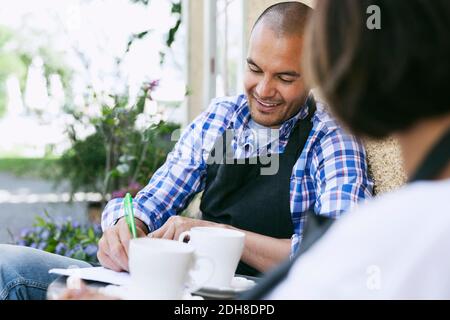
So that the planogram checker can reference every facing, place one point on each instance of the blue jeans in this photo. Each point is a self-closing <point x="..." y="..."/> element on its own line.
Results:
<point x="24" y="272"/>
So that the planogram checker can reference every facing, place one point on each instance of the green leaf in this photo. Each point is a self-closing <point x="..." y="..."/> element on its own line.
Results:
<point x="172" y="32"/>
<point x="51" y="248"/>
<point x="140" y="105"/>
<point x="85" y="241"/>
<point x="142" y="34"/>
<point x="177" y="7"/>
<point x="91" y="234"/>
<point x="136" y="36"/>
<point x="40" y="222"/>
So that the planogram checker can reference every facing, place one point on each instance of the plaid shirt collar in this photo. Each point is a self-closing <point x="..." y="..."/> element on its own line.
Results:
<point x="240" y="121"/>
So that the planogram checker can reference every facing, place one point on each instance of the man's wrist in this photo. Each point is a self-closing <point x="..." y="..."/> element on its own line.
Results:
<point x="139" y="224"/>
<point x="142" y="225"/>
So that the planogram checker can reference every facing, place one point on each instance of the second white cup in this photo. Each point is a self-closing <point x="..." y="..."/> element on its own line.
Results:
<point x="223" y="246"/>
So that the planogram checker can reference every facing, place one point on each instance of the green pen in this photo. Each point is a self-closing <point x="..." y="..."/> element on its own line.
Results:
<point x="129" y="214"/>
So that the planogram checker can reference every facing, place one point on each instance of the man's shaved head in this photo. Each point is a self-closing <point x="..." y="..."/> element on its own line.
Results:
<point x="273" y="78"/>
<point x="285" y="18"/>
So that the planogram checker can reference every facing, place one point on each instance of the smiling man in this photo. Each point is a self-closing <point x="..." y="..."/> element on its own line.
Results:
<point x="273" y="82"/>
<point x="320" y="167"/>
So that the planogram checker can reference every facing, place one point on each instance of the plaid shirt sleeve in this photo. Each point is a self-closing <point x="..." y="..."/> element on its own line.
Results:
<point x="182" y="176"/>
<point x="171" y="187"/>
<point x="341" y="174"/>
<point x="337" y="180"/>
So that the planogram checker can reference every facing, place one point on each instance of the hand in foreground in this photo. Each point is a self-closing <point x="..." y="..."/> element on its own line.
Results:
<point x="176" y="225"/>
<point x="77" y="290"/>
<point x="113" y="245"/>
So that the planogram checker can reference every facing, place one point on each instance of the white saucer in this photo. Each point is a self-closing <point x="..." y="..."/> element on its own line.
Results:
<point x="125" y="293"/>
<point x="238" y="285"/>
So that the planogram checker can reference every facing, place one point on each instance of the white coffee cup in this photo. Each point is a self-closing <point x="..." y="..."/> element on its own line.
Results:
<point x="223" y="246"/>
<point x="160" y="269"/>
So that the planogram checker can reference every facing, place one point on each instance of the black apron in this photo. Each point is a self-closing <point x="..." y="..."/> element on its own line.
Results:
<point x="237" y="194"/>
<point x="316" y="226"/>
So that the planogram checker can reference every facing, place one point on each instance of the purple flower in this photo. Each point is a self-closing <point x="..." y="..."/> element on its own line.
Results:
<point x="60" y="248"/>
<point x="24" y="232"/>
<point x="45" y="235"/>
<point x="22" y="243"/>
<point x="118" y="194"/>
<point x="91" y="250"/>
<point x="42" y="245"/>
<point x="75" y="224"/>
<point x="134" y="186"/>
<point x="33" y="245"/>
<point x="152" y="85"/>
<point x="69" y="253"/>
<point x="38" y="230"/>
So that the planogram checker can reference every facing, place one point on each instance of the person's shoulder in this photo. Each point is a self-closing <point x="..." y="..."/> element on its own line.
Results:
<point x="413" y="213"/>
<point x="403" y="230"/>
<point x="328" y="131"/>
<point x="412" y="202"/>
<point x="323" y="120"/>
<point x="426" y="196"/>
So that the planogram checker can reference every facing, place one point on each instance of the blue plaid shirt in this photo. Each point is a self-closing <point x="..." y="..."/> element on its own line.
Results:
<point x="329" y="177"/>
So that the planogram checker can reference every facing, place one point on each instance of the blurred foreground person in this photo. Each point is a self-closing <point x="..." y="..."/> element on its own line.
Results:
<point x="390" y="80"/>
<point x="381" y="82"/>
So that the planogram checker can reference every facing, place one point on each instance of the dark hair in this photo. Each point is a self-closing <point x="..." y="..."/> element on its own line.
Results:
<point x="285" y="18"/>
<point x="383" y="80"/>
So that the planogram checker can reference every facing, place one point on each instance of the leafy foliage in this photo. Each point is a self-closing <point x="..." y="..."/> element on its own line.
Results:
<point x="82" y="163"/>
<point x="176" y="10"/>
<point x="119" y="155"/>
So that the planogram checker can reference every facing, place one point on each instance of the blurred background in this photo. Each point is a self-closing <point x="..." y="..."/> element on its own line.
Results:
<point x="90" y="94"/>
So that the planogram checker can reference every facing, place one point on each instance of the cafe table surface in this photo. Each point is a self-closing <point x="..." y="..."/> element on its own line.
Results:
<point x="58" y="286"/>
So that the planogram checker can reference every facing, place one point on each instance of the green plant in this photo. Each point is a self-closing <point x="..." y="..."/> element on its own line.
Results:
<point x="82" y="163"/>
<point x="118" y="154"/>
<point x="67" y="237"/>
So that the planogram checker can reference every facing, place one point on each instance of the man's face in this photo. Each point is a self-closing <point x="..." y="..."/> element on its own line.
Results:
<point x="273" y="80"/>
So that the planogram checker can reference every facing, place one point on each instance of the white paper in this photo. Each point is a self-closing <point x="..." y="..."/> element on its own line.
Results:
<point x="96" y="274"/>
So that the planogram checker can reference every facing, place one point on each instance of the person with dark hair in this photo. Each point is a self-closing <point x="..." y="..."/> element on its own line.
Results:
<point x="390" y="81"/>
<point x="313" y="164"/>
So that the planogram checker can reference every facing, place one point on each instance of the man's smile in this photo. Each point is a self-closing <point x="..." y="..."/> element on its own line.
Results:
<point x="266" y="106"/>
